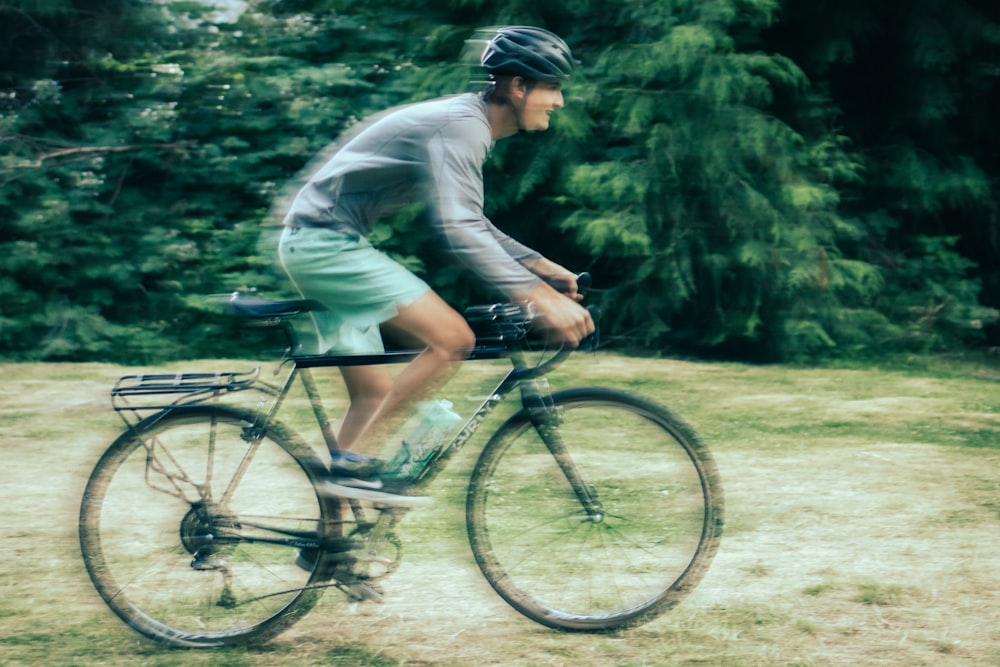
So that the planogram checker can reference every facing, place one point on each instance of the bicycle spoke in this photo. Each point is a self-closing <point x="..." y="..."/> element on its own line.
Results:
<point x="531" y="542"/>
<point x="221" y="569"/>
<point x="643" y="542"/>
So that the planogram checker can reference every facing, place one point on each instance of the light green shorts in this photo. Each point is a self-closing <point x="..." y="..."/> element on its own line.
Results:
<point x="360" y="286"/>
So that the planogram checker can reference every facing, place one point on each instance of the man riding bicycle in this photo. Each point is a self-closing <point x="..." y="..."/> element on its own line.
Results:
<point x="431" y="153"/>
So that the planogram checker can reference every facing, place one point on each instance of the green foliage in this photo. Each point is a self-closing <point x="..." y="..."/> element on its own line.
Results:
<point x="896" y="79"/>
<point x="717" y="218"/>
<point x="147" y="179"/>
<point x="932" y="296"/>
<point x="749" y="178"/>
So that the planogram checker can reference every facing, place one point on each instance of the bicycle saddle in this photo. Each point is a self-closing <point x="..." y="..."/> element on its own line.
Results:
<point x="241" y="305"/>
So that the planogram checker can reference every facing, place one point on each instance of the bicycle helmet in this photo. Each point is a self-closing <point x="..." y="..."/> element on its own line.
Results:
<point x="533" y="53"/>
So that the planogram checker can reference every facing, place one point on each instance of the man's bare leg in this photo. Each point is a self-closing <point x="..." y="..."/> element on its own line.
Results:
<point x="367" y="387"/>
<point x="448" y="340"/>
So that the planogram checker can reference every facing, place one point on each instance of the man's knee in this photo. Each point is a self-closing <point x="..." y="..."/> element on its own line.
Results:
<point x="443" y="330"/>
<point x="456" y="341"/>
<point x="468" y="341"/>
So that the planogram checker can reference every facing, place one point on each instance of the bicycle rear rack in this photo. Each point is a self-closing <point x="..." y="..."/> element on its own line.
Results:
<point x="137" y="393"/>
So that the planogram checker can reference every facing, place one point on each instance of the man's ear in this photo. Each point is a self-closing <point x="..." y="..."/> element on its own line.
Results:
<point x="519" y="86"/>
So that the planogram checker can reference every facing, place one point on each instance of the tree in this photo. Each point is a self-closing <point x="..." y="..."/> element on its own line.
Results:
<point x="144" y="145"/>
<point x="751" y="178"/>
<point x="717" y="220"/>
<point x="81" y="104"/>
<point x="911" y="85"/>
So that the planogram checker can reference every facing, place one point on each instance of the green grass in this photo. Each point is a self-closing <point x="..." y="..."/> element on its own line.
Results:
<point x="863" y="527"/>
<point x="880" y="594"/>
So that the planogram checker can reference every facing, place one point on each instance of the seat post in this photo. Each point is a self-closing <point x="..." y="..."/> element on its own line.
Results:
<point x="290" y="336"/>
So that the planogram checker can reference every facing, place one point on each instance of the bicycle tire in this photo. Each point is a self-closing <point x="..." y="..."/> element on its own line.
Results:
<point x="657" y="531"/>
<point x="156" y="512"/>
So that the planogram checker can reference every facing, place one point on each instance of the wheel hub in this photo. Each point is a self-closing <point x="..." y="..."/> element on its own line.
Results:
<point x="202" y="526"/>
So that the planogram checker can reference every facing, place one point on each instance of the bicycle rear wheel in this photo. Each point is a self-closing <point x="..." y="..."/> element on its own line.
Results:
<point x="191" y="522"/>
<point x="653" y="527"/>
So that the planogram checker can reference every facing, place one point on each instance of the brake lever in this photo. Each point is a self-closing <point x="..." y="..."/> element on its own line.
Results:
<point x="593" y="341"/>
<point x="583" y="283"/>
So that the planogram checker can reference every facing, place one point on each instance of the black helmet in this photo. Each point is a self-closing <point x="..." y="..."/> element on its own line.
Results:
<point x="529" y="52"/>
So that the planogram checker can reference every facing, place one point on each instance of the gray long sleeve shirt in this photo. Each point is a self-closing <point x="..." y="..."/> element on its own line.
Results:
<point x="430" y="152"/>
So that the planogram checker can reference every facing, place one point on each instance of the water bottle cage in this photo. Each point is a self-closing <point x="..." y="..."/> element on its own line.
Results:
<point x="436" y="420"/>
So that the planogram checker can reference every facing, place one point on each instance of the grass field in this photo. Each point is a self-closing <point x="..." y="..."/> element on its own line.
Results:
<point x="863" y="528"/>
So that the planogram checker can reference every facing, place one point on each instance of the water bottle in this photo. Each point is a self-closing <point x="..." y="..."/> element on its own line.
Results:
<point x="437" y="419"/>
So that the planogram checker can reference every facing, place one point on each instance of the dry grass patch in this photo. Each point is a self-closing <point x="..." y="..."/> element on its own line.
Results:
<point x="863" y="528"/>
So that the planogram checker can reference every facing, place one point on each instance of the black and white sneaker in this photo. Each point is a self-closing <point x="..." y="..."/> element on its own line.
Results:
<point x="361" y="477"/>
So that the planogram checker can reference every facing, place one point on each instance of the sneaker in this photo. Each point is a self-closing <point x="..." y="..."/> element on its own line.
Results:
<point x="362" y="478"/>
<point x="349" y="464"/>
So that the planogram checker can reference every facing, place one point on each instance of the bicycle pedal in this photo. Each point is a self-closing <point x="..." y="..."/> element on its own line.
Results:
<point x="208" y="562"/>
<point x="363" y="591"/>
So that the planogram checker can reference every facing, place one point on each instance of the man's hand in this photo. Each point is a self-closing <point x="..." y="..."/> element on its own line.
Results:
<point x="561" y="316"/>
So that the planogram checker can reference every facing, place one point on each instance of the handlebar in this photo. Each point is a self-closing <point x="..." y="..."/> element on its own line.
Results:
<point x="584" y="281"/>
<point x="588" y="344"/>
<point x="509" y="323"/>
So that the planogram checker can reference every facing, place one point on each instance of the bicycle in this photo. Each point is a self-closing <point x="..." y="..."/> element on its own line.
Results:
<point x="589" y="509"/>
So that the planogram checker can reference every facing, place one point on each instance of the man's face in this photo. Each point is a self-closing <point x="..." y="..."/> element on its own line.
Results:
<point x="543" y="98"/>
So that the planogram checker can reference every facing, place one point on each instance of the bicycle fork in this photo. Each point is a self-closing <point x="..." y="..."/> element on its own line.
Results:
<point x="545" y="416"/>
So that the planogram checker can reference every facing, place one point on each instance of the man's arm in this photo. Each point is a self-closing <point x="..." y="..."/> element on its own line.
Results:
<point x="456" y="156"/>
<point x="559" y="277"/>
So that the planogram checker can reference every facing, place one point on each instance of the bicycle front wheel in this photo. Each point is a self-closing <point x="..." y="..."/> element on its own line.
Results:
<point x="607" y="521"/>
<point x="191" y="523"/>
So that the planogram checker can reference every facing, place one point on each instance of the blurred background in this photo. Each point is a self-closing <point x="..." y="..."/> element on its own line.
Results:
<point x="759" y="180"/>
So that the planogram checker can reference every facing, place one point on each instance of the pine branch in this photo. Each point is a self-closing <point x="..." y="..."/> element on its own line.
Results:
<point x="94" y="150"/>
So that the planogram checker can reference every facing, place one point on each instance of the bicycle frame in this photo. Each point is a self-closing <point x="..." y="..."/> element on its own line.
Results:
<point x="530" y="378"/>
<point x="535" y="397"/>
